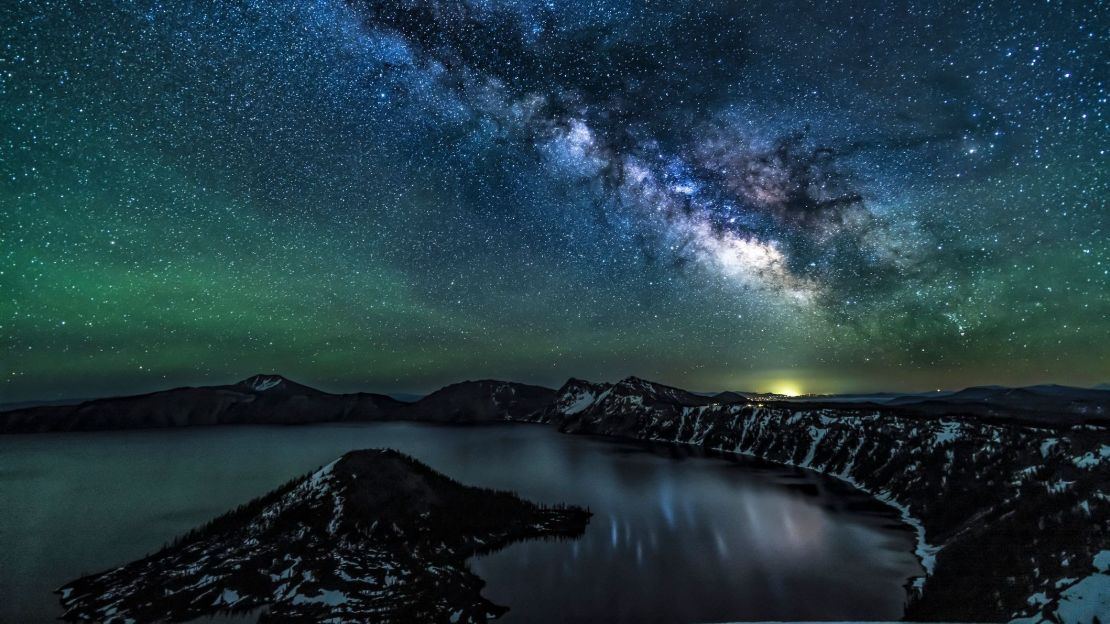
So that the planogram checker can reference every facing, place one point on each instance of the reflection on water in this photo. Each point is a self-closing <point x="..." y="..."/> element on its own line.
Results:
<point x="676" y="536"/>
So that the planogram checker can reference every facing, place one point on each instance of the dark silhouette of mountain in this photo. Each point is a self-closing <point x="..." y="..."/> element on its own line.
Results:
<point x="260" y="399"/>
<point x="7" y="407"/>
<point x="273" y="399"/>
<point x="729" y="396"/>
<point x="477" y="401"/>
<point x="373" y="536"/>
<point x="867" y="397"/>
<point x="1047" y="403"/>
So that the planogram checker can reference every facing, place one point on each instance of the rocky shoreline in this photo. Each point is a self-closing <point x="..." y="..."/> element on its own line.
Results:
<point x="1010" y="517"/>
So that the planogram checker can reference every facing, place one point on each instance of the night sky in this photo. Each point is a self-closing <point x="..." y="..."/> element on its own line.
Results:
<point x="397" y="194"/>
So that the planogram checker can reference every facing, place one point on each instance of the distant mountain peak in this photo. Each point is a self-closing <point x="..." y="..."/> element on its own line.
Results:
<point x="656" y="392"/>
<point x="633" y="381"/>
<point x="638" y="383"/>
<point x="730" y="396"/>
<point x="262" y="383"/>
<point x="576" y="382"/>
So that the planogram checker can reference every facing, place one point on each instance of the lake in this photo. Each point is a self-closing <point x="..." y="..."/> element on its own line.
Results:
<point x="677" y="535"/>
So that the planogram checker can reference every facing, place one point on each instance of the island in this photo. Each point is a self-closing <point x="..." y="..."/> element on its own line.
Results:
<point x="373" y="536"/>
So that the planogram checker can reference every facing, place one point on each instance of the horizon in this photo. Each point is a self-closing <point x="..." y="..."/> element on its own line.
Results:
<point x="795" y="389"/>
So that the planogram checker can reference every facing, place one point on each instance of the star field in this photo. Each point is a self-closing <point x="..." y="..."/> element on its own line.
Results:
<point x="398" y="194"/>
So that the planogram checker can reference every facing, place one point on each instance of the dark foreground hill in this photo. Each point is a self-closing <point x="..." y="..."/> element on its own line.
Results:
<point x="375" y="536"/>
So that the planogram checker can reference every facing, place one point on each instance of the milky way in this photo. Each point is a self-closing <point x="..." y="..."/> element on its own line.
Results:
<point x="635" y="102"/>
<point x="396" y="194"/>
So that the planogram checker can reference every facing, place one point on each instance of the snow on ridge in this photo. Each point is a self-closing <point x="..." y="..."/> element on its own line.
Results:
<point x="316" y="485"/>
<point x="317" y="478"/>
<point x="949" y="431"/>
<point x="816" y="434"/>
<point x="1047" y="446"/>
<point x="261" y="383"/>
<point x="319" y="485"/>
<point x="1090" y="459"/>
<point x="329" y="597"/>
<point x="582" y="400"/>
<point x="1083" y="601"/>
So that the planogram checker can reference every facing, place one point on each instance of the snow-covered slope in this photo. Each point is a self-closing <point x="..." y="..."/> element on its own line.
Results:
<point x="1004" y="511"/>
<point x="1079" y="601"/>
<point x="373" y="536"/>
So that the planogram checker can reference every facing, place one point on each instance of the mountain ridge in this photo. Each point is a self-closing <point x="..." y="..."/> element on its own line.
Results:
<point x="475" y="400"/>
<point x="273" y="399"/>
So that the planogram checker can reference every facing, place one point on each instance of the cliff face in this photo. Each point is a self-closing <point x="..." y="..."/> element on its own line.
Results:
<point x="1006" y="512"/>
<point x="373" y="536"/>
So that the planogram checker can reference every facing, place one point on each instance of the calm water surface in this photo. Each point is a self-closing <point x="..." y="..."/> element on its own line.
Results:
<point x="676" y="536"/>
